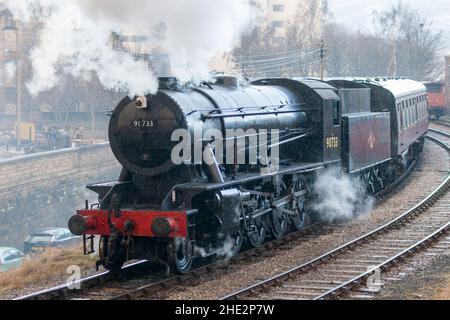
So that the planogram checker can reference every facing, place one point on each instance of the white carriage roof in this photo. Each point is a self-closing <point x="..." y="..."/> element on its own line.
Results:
<point x="401" y="87"/>
<point x="398" y="86"/>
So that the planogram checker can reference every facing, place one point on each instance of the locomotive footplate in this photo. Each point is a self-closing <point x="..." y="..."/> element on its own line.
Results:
<point x="245" y="178"/>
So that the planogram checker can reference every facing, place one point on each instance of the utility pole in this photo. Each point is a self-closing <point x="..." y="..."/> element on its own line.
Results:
<point x="447" y="79"/>
<point x="322" y="60"/>
<point x="19" y="109"/>
<point x="19" y="95"/>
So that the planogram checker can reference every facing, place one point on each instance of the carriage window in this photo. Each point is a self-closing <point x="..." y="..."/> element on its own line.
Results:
<point x="434" y="88"/>
<point x="410" y="118"/>
<point x="417" y="112"/>
<point x="405" y="115"/>
<point x="406" y="118"/>
<point x="423" y="109"/>
<point x="402" y="121"/>
<point x="408" y="111"/>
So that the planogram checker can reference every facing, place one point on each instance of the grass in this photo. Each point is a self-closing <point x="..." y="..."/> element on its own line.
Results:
<point x="443" y="293"/>
<point x="40" y="269"/>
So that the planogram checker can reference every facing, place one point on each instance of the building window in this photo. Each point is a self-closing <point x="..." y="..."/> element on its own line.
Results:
<point x="10" y="23"/>
<point x="278" y="24"/>
<point x="278" y="8"/>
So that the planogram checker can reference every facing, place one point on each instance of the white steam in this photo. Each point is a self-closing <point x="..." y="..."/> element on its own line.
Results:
<point x="339" y="197"/>
<point x="10" y="71"/>
<point x="76" y="38"/>
<point x="224" y="252"/>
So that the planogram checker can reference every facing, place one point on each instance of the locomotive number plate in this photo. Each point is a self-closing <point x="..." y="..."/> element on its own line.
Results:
<point x="144" y="124"/>
<point x="332" y="143"/>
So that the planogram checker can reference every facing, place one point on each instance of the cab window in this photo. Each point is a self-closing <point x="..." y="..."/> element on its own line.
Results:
<point x="336" y="113"/>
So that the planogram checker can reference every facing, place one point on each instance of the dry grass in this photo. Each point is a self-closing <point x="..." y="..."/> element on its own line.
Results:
<point x="49" y="266"/>
<point x="443" y="293"/>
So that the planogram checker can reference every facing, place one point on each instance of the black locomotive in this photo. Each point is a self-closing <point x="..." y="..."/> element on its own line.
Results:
<point x="178" y="210"/>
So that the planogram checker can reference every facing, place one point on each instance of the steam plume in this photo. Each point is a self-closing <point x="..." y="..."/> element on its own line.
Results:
<point x="340" y="197"/>
<point x="76" y="38"/>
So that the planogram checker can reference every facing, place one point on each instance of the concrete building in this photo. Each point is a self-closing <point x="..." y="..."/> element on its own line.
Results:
<point x="278" y="13"/>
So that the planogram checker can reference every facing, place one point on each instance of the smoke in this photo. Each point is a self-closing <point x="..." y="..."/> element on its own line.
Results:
<point x="76" y="38"/>
<point x="340" y="197"/>
<point x="10" y="71"/>
<point x="224" y="252"/>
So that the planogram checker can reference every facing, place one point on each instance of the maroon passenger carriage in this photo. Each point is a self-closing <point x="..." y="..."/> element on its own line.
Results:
<point x="407" y="103"/>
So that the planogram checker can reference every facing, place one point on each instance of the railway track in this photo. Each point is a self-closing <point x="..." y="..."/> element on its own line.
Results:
<point x="441" y="122"/>
<point x="357" y="265"/>
<point x="137" y="283"/>
<point x="440" y="133"/>
<point x="141" y="284"/>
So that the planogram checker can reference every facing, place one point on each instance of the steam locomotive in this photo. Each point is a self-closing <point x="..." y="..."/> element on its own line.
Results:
<point x="172" y="206"/>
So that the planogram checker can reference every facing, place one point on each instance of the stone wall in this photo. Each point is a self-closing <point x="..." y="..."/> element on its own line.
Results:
<point x="45" y="190"/>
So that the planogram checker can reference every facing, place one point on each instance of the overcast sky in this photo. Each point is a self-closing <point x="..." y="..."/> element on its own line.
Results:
<point x="358" y="14"/>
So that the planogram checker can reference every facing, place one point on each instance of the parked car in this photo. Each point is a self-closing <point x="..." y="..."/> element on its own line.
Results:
<point x="10" y="258"/>
<point x="49" y="238"/>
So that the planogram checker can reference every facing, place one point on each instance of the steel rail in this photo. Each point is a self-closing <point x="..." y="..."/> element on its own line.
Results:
<point x="441" y="122"/>
<point x="151" y="288"/>
<point x="359" y="280"/>
<point x="442" y="133"/>
<point x="65" y="291"/>
<point x="195" y="274"/>
<point x="424" y="205"/>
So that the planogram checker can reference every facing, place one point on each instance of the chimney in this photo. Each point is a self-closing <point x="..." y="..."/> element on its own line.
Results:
<point x="447" y="79"/>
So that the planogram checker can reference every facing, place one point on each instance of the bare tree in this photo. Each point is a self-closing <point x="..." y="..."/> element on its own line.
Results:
<point x="414" y="43"/>
<point x="389" y="24"/>
<point x="305" y="33"/>
<point x="266" y="52"/>
<point x="404" y="43"/>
